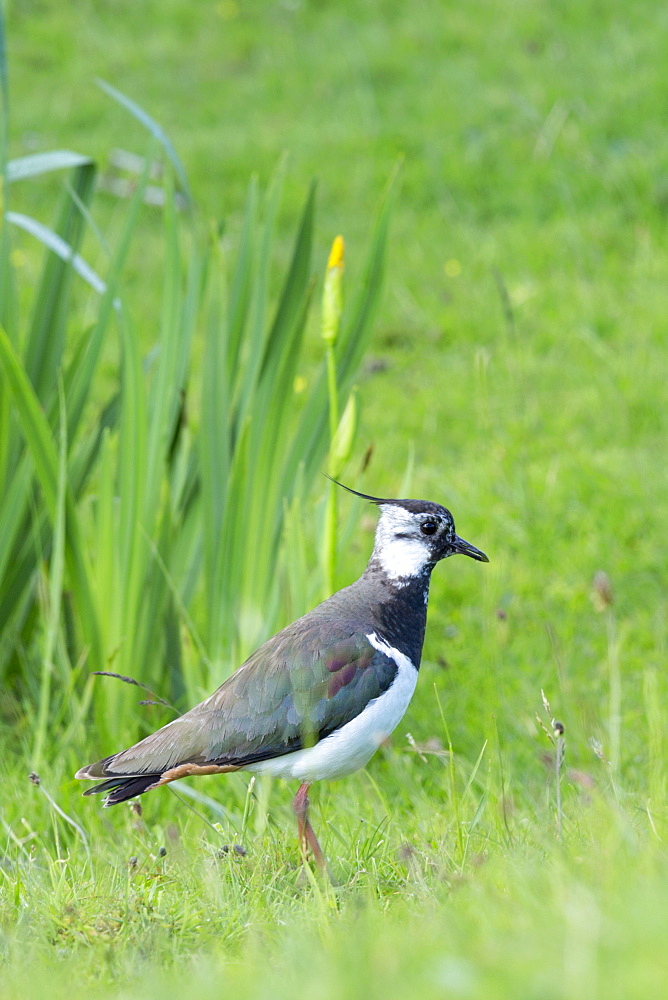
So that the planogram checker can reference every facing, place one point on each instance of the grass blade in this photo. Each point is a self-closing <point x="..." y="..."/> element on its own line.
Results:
<point x="46" y="337"/>
<point x="55" y="591"/>
<point x="156" y="131"/>
<point x="52" y="241"/>
<point x="82" y="375"/>
<point x="43" y="163"/>
<point x="44" y="454"/>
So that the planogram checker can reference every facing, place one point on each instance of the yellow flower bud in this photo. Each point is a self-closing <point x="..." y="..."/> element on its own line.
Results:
<point x="336" y="253"/>
<point x="332" y="295"/>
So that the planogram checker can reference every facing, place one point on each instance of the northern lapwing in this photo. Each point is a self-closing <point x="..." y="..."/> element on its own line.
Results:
<point x="318" y="699"/>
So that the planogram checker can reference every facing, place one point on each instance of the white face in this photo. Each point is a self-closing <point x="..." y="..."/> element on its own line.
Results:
<point x="402" y="548"/>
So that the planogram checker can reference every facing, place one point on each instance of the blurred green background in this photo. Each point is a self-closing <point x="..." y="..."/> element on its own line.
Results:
<point x="517" y="373"/>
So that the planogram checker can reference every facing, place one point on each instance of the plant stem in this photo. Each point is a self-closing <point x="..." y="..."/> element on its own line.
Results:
<point x="615" y="679"/>
<point x="331" y="318"/>
<point x="332" y="504"/>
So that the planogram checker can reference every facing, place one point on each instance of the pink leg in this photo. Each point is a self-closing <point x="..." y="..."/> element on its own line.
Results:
<point x="307" y="837"/>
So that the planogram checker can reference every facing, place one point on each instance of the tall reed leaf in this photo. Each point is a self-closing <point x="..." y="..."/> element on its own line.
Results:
<point x="45" y="458"/>
<point x="162" y="509"/>
<point x="153" y="127"/>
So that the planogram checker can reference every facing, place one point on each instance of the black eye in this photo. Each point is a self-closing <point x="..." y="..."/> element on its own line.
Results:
<point x="428" y="527"/>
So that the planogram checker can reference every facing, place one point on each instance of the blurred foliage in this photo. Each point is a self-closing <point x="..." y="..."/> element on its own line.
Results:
<point x="153" y="522"/>
<point x="518" y="367"/>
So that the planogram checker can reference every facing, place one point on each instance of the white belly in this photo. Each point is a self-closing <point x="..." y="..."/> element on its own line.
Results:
<point x="352" y="746"/>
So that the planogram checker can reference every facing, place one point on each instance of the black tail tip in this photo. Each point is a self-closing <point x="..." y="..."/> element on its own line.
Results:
<point x="123" y="788"/>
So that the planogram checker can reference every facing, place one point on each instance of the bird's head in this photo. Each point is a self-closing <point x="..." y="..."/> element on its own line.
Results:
<point x="413" y="535"/>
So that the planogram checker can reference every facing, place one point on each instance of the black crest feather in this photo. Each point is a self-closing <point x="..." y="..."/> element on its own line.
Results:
<point x="364" y="496"/>
<point x="414" y="506"/>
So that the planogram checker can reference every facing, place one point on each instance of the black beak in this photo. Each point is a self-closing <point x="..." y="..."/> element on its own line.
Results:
<point x="466" y="549"/>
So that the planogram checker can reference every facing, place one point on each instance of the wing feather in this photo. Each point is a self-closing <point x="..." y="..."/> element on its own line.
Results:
<point x="292" y="692"/>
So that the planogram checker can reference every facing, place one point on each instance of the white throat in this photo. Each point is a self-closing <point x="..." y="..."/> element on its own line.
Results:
<point x="399" y="557"/>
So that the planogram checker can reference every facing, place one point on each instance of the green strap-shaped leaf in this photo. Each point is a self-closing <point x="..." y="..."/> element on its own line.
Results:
<point x="310" y="439"/>
<point x="257" y="331"/>
<point x="241" y="287"/>
<point x="82" y="376"/>
<point x="45" y="163"/>
<point x="56" y="577"/>
<point x="355" y="333"/>
<point x="60" y="247"/>
<point x="156" y="131"/>
<point x="132" y="545"/>
<point x="46" y="338"/>
<point x="4" y="90"/>
<point x="7" y="296"/>
<point x="45" y="458"/>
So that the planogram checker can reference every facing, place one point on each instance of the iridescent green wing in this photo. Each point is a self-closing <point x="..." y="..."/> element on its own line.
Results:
<point x="298" y="687"/>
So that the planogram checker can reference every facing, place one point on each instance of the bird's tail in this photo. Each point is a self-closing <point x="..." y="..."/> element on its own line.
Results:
<point x="122" y="788"/>
<point x="178" y="750"/>
<point x="118" y="786"/>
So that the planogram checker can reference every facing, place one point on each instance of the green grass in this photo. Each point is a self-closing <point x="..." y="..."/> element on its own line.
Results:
<point x="519" y="358"/>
